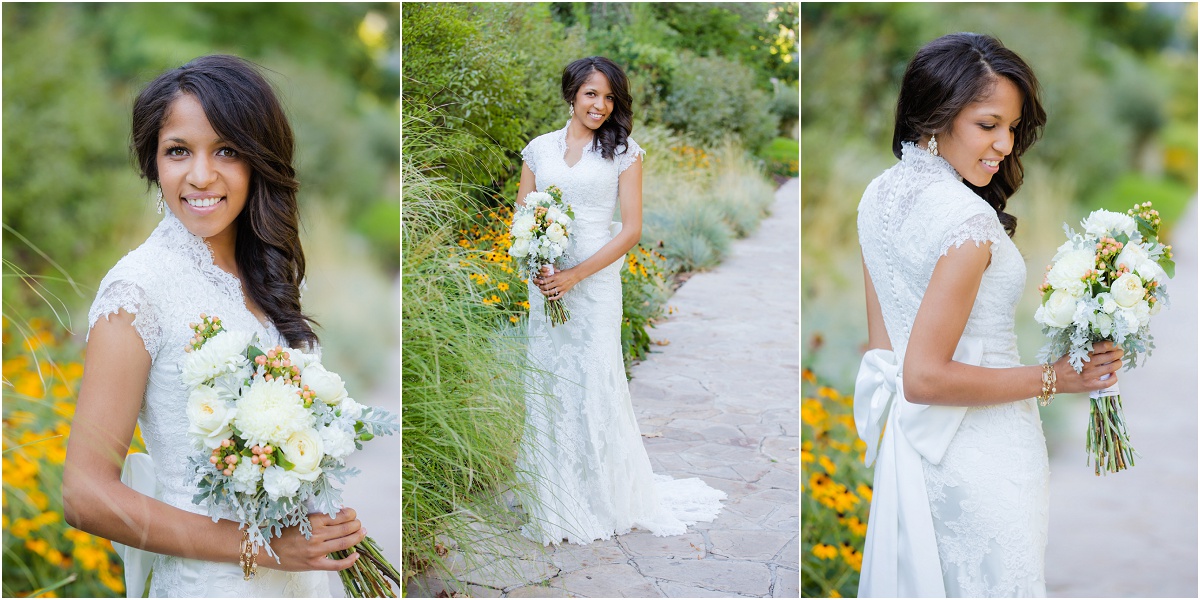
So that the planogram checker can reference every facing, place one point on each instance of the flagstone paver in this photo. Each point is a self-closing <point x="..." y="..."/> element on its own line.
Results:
<point x="1133" y="533"/>
<point x="719" y="401"/>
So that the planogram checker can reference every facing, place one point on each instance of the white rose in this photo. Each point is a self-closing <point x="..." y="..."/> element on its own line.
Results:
<point x="279" y="483"/>
<point x="223" y="353"/>
<point x="210" y="418"/>
<point x="1067" y="273"/>
<point x="327" y="385"/>
<point x="554" y="214"/>
<point x="523" y="225"/>
<point x="1142" y="311"/>
<point x="1104" y="323"/>
<point x="1103" y="223"/>
<point x="1150" y="271"/>
<point x="338" y="442"/>
<point x="270" y="412"/>
<point x="1127" y="290"/>
<point x="304" y="450"/>
<point x="519" y="248"/>
<point x="556" y="233"/>
<point x="1132" y="256"/>
<point x="1107" y="304"/>
<point x="246" y="477"/>
<point x="1058" y="311"/>
<point x="301" y="359"/>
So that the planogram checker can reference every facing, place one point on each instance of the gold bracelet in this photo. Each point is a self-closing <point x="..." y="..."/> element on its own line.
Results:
<point x="1049" y="385"/>
<point x="249" y="558"/>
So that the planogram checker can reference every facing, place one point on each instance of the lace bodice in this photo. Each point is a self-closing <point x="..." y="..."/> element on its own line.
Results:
<point x="589" y="186"/>
<point x="909" y="217"/>
<point x="166" y="283"/>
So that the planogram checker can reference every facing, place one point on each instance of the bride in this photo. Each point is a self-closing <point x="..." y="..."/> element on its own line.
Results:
<point x="960" y="500"/>
<point x="587" y="474"/>
<point x="212" y="135"/>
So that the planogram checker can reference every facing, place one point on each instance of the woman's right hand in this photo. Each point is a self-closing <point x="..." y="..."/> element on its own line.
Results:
<point x="1105" y="360"/>
<point x="296" y="553"/>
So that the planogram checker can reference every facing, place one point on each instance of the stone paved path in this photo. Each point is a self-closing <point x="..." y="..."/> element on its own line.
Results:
<point x="1133" y="533"/>
<point x="719" y="402"/>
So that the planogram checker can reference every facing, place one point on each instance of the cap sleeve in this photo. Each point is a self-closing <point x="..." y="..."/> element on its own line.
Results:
<point x="631" y="154"/>
<point x="978" y="227"/>
<point x="529" y="155"/>
<point x="119" y="294"/>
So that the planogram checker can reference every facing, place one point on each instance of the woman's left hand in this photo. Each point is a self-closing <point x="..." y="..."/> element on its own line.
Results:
<point x="555" y="286"/>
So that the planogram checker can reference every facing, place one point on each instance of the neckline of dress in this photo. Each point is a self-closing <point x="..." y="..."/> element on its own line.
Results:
<point x="173" y="228"/>
<point x="562" y="146"/>
<point x="913" y="155"/>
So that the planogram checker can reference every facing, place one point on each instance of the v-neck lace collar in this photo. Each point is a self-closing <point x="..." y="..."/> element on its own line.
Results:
<point x="176" y="235"/>
<point x="562" y="146"/>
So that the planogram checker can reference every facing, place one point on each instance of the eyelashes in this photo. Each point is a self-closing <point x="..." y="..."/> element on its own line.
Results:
<point x="177" y="150"/>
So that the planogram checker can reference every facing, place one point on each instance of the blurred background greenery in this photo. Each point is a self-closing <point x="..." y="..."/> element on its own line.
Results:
<point x="715" y="105"/>
<point x="73" y="205"/>
<point x="1119" y="84"/>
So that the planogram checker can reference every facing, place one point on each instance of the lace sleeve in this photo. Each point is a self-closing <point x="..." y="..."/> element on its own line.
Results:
<point x="529" y="155"/>
<point x="123" y="294"/>
<point x="631" y="154"/>
<point x="978" y="228"/>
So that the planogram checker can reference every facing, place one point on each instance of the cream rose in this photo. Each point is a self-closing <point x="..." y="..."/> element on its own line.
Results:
<point x="1067" y="273"/>
<point x="210" y="418"/>
<point x="1058" y="311"/>
<point x="556" y="233"/>
<point x="1104" y="323"/>
<point x="1107" y="304"/>
<point x="1127" y="290"/>
<point x="305" y="451"/>
<point x="519" y="248"/>
<point x="327" y="385"/>
<point x="523" y="226"/>
<point x="1132" y="256"/>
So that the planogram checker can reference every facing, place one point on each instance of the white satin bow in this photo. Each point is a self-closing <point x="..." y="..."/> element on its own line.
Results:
<point x="138" y="473"/>
<point x="900" y="558"/>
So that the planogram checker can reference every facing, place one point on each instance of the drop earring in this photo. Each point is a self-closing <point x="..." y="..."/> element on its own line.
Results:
<point x="160" y="202"/>
<point x="572" y="109"/>
<point x="933" y="144"/>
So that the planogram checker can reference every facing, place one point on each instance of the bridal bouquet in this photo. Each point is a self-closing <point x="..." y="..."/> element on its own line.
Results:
<point x="1105" y="284"/>
<point x="271" y="430"/>
<point x="540" y="231"/>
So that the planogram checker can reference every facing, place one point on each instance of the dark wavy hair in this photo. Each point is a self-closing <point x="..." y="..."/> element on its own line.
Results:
<point x="953" y="71"/>
<point x="619" y="124"/>
<point x="242" y="108"/>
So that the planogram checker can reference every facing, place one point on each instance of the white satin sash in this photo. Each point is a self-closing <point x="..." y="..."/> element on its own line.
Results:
<point x="138" y="473"/>
<point x="901" y="556"/>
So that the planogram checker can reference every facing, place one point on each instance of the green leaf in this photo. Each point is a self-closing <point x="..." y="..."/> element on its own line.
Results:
<point x="1046" y="295"/>
<point x="1167" y="265"/>
<point x="366" y="436"/>
<point x="1122" y="238"/>
<point x="282" y="461"/>
<point x="253" y="352"/>
<point x="1149" y="231"/>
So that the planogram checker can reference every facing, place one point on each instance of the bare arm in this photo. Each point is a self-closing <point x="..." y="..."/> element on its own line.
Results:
<point x="96" y="501"/>
<point x="629" y="193"/>
<point x="931" y="377"/>
<point x="877" y="335"/>
<point x="527" y="185"/>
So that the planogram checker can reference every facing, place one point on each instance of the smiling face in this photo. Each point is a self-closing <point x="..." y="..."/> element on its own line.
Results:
<point x="594" y="101"/>
<point x="983" y="133"/>
<point x="204" y="180"/>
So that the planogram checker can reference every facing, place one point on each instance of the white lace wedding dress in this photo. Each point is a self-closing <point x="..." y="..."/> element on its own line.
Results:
<point x="586" y="471"/>
<point x="166" y="283"/>
<point x="974" y="480"/>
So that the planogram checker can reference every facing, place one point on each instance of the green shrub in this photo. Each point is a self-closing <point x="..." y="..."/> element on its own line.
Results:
<point x="712" y="97"/>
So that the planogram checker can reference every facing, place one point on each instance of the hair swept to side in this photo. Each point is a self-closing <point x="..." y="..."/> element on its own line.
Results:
<point x="951" y="72"/>
<point x="616" y="129"/>
<point x="244" y="110"/>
